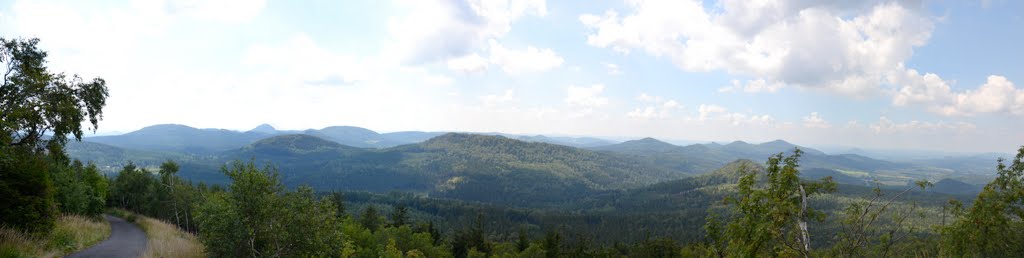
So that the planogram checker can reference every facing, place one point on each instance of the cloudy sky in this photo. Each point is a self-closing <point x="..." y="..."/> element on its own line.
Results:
<point x="877" y="74"/>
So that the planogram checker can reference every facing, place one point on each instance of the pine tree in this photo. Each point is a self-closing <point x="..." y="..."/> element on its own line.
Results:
<point x="370" y="218"/>
<point x="400" y="216"/>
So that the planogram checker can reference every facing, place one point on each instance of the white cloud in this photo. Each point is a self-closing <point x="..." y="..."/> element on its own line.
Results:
<point x="643" y="97"/>
<point x="815" y="121"/>
<point x="718" y="113"/>
<point x="437" y="79"/>
<point x="752" y="86"/>
<point x="302" y="59"/>
<point x="852" y="124"/>
<point x="844" y="47"/>
<point x="494" y="99"/>
<point x="513" y="62"/>
<point x="586" y="96"/>
<point x="670" y="104"/>
<point x="613" y="69"/>
<point x="740" y="118"/>
<point x="439" y="30"/>
<point x="997" y="95"/>
<point x="657" y="108"/>
<point x="531" y="59"/>
<point x="885" y="125"/>
<point x="471" y="63"/>
<point x="644" y="113"/>
<point x="706" y="111"/>
<point x="231" y="11"/>
<point x="916" y="88"/>
<point x="454" y="32"/>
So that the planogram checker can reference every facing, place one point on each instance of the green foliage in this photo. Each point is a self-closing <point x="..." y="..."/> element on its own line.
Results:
<point x="38" y="110"/>
<point x="339" y="204"/>
<point x="221" y="227"/>
<point x="471" y="239"/>
<point x="552" y="244"/>
<point x="79" y="189"/>
<point x="133" y="188"/>
<point x="770" y="212"/>
<point x="399" y="216"/>
<point x="371" y="219"/>
<point x="993" y="226"/>
<point x="463" y="166"/>
<point x="162" y="195"/>
<point x="35" y="102"/>
<point x="26" y="190"/>
<point x="873" y="228"/>
<point x="257" y="217"/>
<point x="522" y="240"/>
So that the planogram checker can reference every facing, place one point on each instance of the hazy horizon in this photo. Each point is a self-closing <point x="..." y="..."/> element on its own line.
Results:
<point x="908" y="75"/>
<point x="902" y="153"/>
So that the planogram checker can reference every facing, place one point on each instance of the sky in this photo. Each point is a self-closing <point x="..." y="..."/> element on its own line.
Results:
<point x="930" y="75"/>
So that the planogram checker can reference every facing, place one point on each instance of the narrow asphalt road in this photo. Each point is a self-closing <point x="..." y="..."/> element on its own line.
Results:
<point x="126" y="240"/>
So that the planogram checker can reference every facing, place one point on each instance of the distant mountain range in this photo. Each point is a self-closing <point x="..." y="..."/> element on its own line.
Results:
<point x="706" y="157"/>
<point x="490" y="167"/>
<point x="181" y="138"/>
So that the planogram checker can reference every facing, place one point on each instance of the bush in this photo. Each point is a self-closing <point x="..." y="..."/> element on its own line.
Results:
<point x="26" y="190"/>
<point x="259" y="217"/>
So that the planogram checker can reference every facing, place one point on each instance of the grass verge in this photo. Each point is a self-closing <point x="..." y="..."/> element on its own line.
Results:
<point x="71" y="233"/>
<point x="167" y="240"/>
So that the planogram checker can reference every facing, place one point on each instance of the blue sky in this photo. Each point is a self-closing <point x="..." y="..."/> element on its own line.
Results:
<point x="875" y="74"/>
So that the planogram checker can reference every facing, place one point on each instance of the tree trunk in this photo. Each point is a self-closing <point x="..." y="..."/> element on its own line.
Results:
<point x="804" y="236"/>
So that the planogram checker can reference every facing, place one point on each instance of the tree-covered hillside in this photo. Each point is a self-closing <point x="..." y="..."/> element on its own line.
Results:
<point x="180" y="138"/>
<point x="697" y="158"/>
<point x="462" y="166"/>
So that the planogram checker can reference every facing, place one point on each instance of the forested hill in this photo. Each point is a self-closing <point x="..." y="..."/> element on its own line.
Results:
<point x="706" y="157"/>
<point x="462" y="166"/>
<point x="181" y="138"/>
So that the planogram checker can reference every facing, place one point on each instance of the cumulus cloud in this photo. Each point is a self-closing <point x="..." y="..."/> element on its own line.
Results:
<point x="531" y="59"/>
<point x="916" y="88"/>
<point x="512" y="61"/>
<point x="847" y="48"/>
<point x="706" y="111"/>
<point x="740" y="119"/>
<point x="657" y="107"/>
<point x="710" y="112"/>
<point x="302" y="59"/>
<point x="815" y="121"/>
<point x="997" y="95"/>
<point x="471" y="63"/>
<point x="439" y="30"/>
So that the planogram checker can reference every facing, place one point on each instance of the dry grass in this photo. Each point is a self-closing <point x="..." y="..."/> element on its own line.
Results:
<point x="71" y="233"/>
<point x="167" y="240"/>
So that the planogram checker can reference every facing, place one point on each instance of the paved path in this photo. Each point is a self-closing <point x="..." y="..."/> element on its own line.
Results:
<point x="126" y="240"/>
